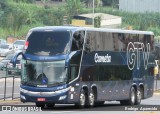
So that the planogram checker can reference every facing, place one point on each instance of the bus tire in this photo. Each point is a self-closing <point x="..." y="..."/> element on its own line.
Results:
<point x="138" y="97"/>
<point x="91" y="98"/>
<point x="132" y="99"/>
<point x="82" y="99"/>
<point x="42" y="105"/>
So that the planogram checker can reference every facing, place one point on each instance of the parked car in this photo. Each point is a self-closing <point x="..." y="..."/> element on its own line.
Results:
<point x="3" y="62"/>
<point x="2" y="41"/>
<point x="17" y="70"/>
<point x="5" y="49"/>
<point x="6" y="64"/>
<point x="18" y="44"/>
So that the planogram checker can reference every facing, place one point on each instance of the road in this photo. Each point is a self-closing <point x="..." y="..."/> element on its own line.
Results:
<point x="153" y="102"/>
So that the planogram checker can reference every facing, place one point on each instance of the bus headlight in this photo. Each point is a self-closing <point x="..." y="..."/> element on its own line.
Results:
<point x="62" y="97"/>
<point x="23" y="97"/>
<point x="23" y="90"/>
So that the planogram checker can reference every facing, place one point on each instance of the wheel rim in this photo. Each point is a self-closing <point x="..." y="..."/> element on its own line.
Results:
<point x="138" y="96"/>
<point x="91" y="99"/>
<point x="82" y="99"/>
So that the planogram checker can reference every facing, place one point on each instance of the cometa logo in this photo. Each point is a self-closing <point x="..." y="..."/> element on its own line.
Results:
<point x="102" y="59"/>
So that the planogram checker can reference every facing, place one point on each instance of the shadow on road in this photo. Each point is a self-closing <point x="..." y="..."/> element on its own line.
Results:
<point x="105" y="107"/>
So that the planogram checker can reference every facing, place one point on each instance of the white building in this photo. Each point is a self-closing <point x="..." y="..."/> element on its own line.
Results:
<point x="139" y="5"/>
<point x="106" y="20"/>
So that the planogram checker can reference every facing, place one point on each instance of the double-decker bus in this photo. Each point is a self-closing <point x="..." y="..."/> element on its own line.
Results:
<point x="86" y="66"/>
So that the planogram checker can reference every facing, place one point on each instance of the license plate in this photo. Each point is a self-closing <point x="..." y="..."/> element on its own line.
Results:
<point x="41" y="99"/>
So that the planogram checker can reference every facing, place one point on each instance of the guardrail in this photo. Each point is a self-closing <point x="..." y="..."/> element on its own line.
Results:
<point x="156" y="83"/>
<point x="12" y="78"/>
<point x="5" y="87"/>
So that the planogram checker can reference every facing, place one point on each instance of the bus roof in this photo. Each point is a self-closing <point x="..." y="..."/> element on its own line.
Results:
<point x="76" y="28"/>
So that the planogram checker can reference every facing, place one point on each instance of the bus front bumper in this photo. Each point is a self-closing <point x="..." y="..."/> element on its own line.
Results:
<point x="59" y="96"/>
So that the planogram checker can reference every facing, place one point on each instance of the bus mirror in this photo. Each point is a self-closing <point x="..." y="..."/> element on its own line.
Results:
<point x="75" y="53"/>
<point x="14" y="59"/>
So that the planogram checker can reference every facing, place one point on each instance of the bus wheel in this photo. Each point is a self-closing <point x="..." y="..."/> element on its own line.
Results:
<point x="91" y="98"/>
<point x="42" y="105"/>
<point x="138" y="97"/>
<point x="50" y="105"/>
<point x="132" y="99"/>
<point x="82" y="99"/>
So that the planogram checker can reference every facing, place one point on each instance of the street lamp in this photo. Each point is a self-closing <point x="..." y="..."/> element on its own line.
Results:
<point x="93" y="15"/>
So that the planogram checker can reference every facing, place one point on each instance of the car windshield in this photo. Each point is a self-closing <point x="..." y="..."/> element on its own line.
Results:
<point x="4" y="46"/>
<point x="19" y="42"/>
<point x="43" y="73"/>
<point x="48" y="43"/>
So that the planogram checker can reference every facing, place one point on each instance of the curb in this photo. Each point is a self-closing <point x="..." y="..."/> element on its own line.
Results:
<point x="9" y="102"/>
<point x="156" y="93"/>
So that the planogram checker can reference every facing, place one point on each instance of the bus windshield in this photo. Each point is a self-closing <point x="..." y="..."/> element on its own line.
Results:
<point x="36" y="73"/>
<point x="48" y="43"/>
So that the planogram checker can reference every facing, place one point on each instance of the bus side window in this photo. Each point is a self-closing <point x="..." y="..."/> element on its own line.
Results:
<point x="78" y="40"/>
<point x="73" y="72"/>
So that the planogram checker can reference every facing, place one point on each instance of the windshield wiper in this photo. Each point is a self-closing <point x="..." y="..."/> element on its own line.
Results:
<point x="58" y="83"/>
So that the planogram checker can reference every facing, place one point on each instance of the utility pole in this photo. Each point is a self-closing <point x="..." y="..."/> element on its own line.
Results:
<point x="93" y="15"/>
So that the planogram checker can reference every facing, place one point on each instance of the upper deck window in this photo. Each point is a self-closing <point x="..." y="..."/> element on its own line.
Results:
<point x="78" y="40"/>
<point x="48" y="43"/>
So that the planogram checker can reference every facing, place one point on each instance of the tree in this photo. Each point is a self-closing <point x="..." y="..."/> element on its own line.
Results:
<point x="45" y="2"/>
<point x="13" y="19"/>
<point x="3" y="4"/>
<point x="25" y="1"/>
<point x="73" y="7"/>
<point x="97" y="22"/>
<point x="89" y="3"/>
<point x="112" y="3"/>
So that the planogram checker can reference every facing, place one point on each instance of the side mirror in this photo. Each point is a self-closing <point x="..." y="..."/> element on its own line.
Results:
<point x="14" y="59"/>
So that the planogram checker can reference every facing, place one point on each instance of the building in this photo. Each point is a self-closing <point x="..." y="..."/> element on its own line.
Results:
<point x="103" y="20"/>
<point x="139" y="6"/>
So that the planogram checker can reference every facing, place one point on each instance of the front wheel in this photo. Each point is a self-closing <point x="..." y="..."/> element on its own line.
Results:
<point x="82" y="99"/>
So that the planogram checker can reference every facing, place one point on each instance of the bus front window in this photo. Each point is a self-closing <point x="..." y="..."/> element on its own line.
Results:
<point x="44" y="43"/>
<point x="44" y="73"/>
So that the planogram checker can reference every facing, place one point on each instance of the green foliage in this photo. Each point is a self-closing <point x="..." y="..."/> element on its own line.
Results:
<point x="73" y="7"/>
<point x="18" y="16"/>
<point x="97" y="22"/>
<point x="24" y="1"/>
<point x="13" y="19"/>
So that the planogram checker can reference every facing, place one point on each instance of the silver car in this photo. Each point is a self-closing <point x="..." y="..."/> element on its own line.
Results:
<point x="18" y="45"/>
<point x="5" y="49"/>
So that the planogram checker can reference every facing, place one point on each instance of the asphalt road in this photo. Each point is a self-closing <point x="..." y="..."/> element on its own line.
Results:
<point x="108" y="107"/>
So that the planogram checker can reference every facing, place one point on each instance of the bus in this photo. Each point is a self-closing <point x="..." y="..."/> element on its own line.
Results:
<point x="86" y="66"/>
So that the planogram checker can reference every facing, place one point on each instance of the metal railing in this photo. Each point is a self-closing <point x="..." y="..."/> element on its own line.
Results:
<point x="156" y="83"/>
<point x="11" y="78"/>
